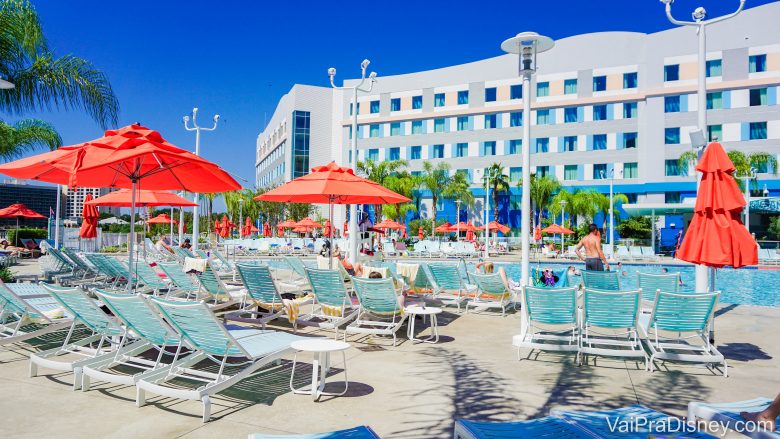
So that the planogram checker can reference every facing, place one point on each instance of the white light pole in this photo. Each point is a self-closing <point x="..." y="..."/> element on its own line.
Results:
<point x="701" y="28"/>
<point x="611" y="213"/>
<point x="487" y="212"/>
<point x="746" y="179"/>
<point x="526" y="45"/>
<point x="457" y="217"/>
<point x="195" y="127"/>
<point x="240" y="216"/>
<point x="353" y="233"/>
<point x="563" y="213"/>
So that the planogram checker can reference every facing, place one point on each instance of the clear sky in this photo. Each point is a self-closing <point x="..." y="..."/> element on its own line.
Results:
<point x="238" y="58"/>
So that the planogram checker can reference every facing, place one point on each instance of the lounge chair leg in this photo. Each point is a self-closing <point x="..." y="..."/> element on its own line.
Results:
<point x="206" y="408"/>
<point x="33" y="369"/>
<point x="77" y="377"/>
<point x="725" y="369"/>
<point x="85" y="383"/>
<point x="140" y="397"/>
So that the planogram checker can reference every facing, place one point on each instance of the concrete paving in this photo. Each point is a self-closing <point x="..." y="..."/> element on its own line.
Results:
<point x="408" y="391"/>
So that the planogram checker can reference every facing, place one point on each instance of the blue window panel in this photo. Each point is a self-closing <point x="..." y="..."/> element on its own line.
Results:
<point x="516" y="119"/>
<point x="684" y="103"/>
<point x="516" y="91"/>
<point x="757" y="130"/>
<point x="757" y="63"/>
<point x="599" y="171"/>
<point x="599" y="83"/>
<point x="570" y="114"/>
<point x="461" y="150"/>
<point x="394" y="154"/>
<point x="542" y="117"/>
<point x="542" y="145"/>
<point x="514" y="146"/>
<point x="619" y="140"/>
<point x="374" y="107"/>
<point x="599" y="142"/>
<point x="570" y="86"/>
<point x="542" y="89"/>
<point x="490" y="94"/>
<point x="361" y="132"/>
<point x="543" y="171"/>
<point x="581" y="113"/>
<point x="488" y="149"/>
<point x="599" y="112"/>
<point x="438" y="125"/>
<point x="395" y="104"/>
<point x="373" y="154"/>
<point x="490" y="121"/>
<point x="395" y="129"/>
<point x="672" y="136"/>
<point x="463" y="97"/>
<point x="515" y="173"/>
<point x="415" y="152"/>
<point x="418" y="127"/>
<point x="629" y="140"/>
<point x="610" y="112"/>
<point x="772" y="95"/>
<point x="463" y="123"/>
<point x="417" y="102"/>
<point x="671" y="104"/>
<point x="438" y="100"/>
<point x="629" y="110"/>
<point x="437" y="151"/>
<point x="714" y="68"/>
<point x="726" y="99"/>
<point x="630" y="80"/>
<point x="570" y="143"/>
<point x="375" y="130"/>
<point x="672" y="72"/>
<point x="447" y="125"/>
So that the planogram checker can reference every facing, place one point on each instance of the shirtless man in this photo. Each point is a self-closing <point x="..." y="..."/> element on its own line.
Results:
<point x="593" y="254"/>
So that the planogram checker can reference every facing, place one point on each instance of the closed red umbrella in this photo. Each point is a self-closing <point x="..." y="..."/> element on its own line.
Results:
<point x="420" y="233"/>
<point x="247" y="229"/>
<point x="267" y="229"/>
<point x="716" y="236"/>
<point x="328" y="229"/>
<point x="346" y="228"/>
<point x="90" y="216"/>
<point x="405" y="235"/>
<point x="217" y="228"/>
<point x="19" y="211"/>
<point x="224" y="227"/>
<point x="538" y="233"/>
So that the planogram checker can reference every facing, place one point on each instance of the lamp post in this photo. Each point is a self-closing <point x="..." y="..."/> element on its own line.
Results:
<point x="457" y="217"/>
<point x="195" y="127"/>
<point x="240" y="216"/>
<point x="765" y="191"/>
<point x="701" y="28"/>
<point x="611" y="213"/>
<point x="563" y="213"/>
<point x="746" y="180"/>
<point x="526" y="45"/>
<point x="487" y="212"/>
<point x="353" y="235"/>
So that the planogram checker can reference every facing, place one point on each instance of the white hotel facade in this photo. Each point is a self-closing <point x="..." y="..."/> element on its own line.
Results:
<point x="606" y="102"/>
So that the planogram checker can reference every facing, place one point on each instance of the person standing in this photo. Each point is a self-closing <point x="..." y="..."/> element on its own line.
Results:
<point x="593" y="254"/>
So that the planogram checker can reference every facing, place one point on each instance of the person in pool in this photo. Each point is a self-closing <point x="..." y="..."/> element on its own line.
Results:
<point x="679" y="278"/>
<point x="548" y="278"/>
<point x="572" y="271"/>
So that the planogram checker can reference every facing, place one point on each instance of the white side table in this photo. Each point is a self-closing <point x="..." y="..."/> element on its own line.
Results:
<point x="430" y="311"/>
<point x="320" y="349"/>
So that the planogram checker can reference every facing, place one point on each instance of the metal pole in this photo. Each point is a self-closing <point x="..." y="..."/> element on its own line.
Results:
<point x="525" y="209"/>
<point x="457" y="217"/>
<point x="131" y="243"/>
<point x="747" y="202"/>
<point x="652" y="229"/>
<point x="196" y="198"/>
<point x="611" y="215"/>
<point x="487" y="215"/>
<point x="240" y="217"/>
<point x="181" y="226"/>
<point x="57" y="218"/>
<point x="171" y="225"/>
<point x="353" y="231"/>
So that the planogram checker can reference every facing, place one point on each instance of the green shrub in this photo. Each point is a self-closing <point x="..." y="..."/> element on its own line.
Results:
<point x="26" y="233"/>
<point x="6" y="275"/>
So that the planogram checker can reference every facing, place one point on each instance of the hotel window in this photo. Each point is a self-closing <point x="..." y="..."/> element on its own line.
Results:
<point x="629" y="140"/>
<point x="570" y="143"/>
<point x="599" y="142"/>
<point x="490" y="94"/>
<point x="570" y="86"/>
<point x="463" y="97"/>
<point x="542" y="171"/>
<point x="671" y="104"/>
<point x="757" y="130"/>
<point x="516" y="91"/>
<point x="515" y="174"/>
<point x="461" y="150"/>
<point x="570" y="115"/>
<point x="394" y="154"/>
<point x="514" y="146"/>
<point x="395" y="104"/>
<point x="374" y="131"/>
<point x="373" y="154"/>
<point x="757" y="63"/>
<point x="672" y="168"/>
<point x="516" y="119"/>
<point x="671" y="197"/>
<point x="437" y="152"/>
<point x="374" y="107"/>
<point x="542" y="117"/>
<point x="714" y="132"/>
<point x="395" y="129"/>
<point x="758" y="97"/>
<point x="488" y="148"/>
<point x="415" y="153"/>
<point x="351" y="107"/>
<point x="600" y="112"/>
<point x="714" y="68"/>
<point x="599" y="171"/>
<point x="438" y="100"/>
<point x="542" y="89"/>
<point x="672" y="136"/>
<point x="417" y="127"/>
<point x="438" y="125"/>
<point x="672" y="72"/>
<point x="542" y="145"/>
<point x="715" y="100"/>
<point x="490" y="121"/>
<point x="599" y="83"/>
<point x="630" y="80"/>
<point x="629" y="110"/>
<point x="570" y="172"/>
<point x="463" y="123"/>
<point x="631" y="170"/>
<point x="416" y="102"/>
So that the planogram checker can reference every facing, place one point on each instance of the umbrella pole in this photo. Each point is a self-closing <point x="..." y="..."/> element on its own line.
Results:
<point x="330" y="247"/>
<point x="131" y="243"/>
<point x="17" y="232"/>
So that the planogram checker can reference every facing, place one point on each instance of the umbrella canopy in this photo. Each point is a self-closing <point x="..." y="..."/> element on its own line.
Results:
<point x="267" y="230"/>
<point x="90" y="215"/>
<point x="388" y="224"/>
<point x="112" y="220"/>
<point x="162" y="218"/>
<point x="143" y="198"/>
<point x="495" y="225"/>
<point x="444" y="228"/>
<point x="248" y="228"/>
<point x="420" y="233"/>
<point x="286" y="224"/>
<point x="716" y="237"/>
<point x="300" y="230"/>
<point x="217" y="227"/>
<point x="555" y="229"/>
<point x="463" y="227"/>
<point x="308" y="223"/>
<point x="19" y="211"/>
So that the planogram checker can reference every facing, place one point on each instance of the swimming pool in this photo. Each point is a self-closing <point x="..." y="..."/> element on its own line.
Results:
<point x="746" y="286"/>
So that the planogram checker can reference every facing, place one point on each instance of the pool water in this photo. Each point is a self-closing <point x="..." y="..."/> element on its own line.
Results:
<point x="745" y="286"/>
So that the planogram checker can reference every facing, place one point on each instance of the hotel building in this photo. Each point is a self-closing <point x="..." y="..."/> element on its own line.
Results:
<point x="607" y="103"/>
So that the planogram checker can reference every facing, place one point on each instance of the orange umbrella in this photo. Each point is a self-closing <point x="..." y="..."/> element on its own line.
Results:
<point x="388" y="224"/>
<point x="19" y="211"/>
<point x="470" y="233"/>
<point x="267" y="230"/>
<point x="224" y="227"/>
<point x="162" y="218"/>
<point x="300" y="230"/>
<point x="143" y="198"/>
<point x="286" y="224"/>
<point x="247" y="229"/>
<point x="463" y="227"/>
<point x="90" y="215"/>
<point x="328" y="229"/>
<point x="405" y="235"/>
<point x="420" y="233"/>
<point x="538" y="233"/>
<point x="555" y="229"/>
<point x="308" y="223"/>
<point x="346" y="228"/>
<point x="716" y="236"/>
<point x="494" y="225"/>
<point x="444" y="228"/>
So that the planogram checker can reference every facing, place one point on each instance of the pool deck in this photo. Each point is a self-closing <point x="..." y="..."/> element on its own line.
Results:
<point x="408" y="391"/>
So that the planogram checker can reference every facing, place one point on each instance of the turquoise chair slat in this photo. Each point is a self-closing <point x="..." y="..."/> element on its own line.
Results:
<point x="328" y="286"/>
<point x="259" y="283"/>
<point x="296" y="265"/>
<point x="208" y="280"/>
<point x="551" y="306"/>
<point x="182" y="280"/>
<point x="12" y="303"/>
<point x="76" y="259"/>
<point x="84" y="310"/>
<point x="601" y="280"/>
<point x="201" y="254"/>
<point x="139" y="317"/>
<point x="490" y="284"/>
<point x="197" y="325"/>
<point x="611" y="309"/>
<point x="446" y="276"/>
<point x="650" y="283"/>
<point x="148" y="276"/>
<point x="376" y="295"/>
<point x="687" y="312"/>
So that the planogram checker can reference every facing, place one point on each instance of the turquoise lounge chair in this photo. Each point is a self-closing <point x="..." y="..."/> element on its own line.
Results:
<point x="448" y="286"/>
<point x="200" y="331"/>
<point x="380" y="310"/>
<point x="333" y="305"/>
<point x="616" y="312"/>
<point x="262" y="295"/>
<point x="180" y="280"/>
<point x="650" y="284"/>
<point x="601" y="280"/>
<point x="213" y="286"/>
<point x="491" y="292"/>
<point x="29" y="311"/>
<point x="362" y="432"/>
<point x="678" y="329"/>
<point x="728" y="416"/>
<point x="549" y="320"/>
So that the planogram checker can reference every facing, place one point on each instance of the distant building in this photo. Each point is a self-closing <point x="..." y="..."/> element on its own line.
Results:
<point x="74" y="202"/>
<point x="39" y="198"/>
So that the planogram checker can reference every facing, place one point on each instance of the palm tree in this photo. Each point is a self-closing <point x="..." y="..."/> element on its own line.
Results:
<point x="379" y="172"/>
<point x="404" y="184"/>
<point x="26" y="135"/>
<point x="542" y="190"/>
<point x="434" y="178"/>
<point x="556" y="204"/>
<point x="43" y="80"/>
<point x="459" y="188"/>
<point x="584" y="204"/>
<point x="743" y="163"/>
<point x="498" y="182"/>
<point x="602" y="201"/>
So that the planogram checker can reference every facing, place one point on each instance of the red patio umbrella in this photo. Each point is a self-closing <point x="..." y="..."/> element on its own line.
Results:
<point x="267" y="230"/>
<point x="555" y="229"/>
<point x="90" y="216"/>
<point x="300" y="230"/>
<point x="444" y="228"/>
<point x="420" y="233"/>
<point x="388" y="224"/>
<point x="346" y="228"/>
<point x="405" y="234"/>
<point x="286" y="224"/>
<point x="328" y="229"/>
<point x="143" y="198"/>
<point x="19" y="211"/>
<point x="537" y="233"/>
<point x="308" y="223"/>
<point x="463" y="227"/>
<point x="716" y="236"/>
<point x="495" y="225"/>
<point x="224" y="227"/>
<point x="162" y="218"/>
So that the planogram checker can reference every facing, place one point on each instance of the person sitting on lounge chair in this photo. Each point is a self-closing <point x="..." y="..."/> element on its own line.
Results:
<point x="4" y="245"/>
<point x="767" y="418"/>
<point x="375" y="275"/>
<point x="186" y="244"/>
<point x="353" y="270"/>
<point x="163" y="244"/>
<point x="487" y="268"/>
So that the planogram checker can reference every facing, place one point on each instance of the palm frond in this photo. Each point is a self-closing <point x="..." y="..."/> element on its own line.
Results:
<point x="27" y="135"/>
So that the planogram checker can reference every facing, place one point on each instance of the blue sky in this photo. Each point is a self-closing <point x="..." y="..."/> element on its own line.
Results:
<point x="238" y="58"/>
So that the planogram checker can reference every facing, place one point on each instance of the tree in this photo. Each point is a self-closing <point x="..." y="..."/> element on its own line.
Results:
<point x="299" y="211"/>
<point x="498" y="182"/>
<point x="25" y="136"/>
<point x="584" y="203"/>
<point x="379" y="172"/>
<point x="542" y="190"/>
<point x="459" y="188"/>
<point x="402" y="183"/>
<point x="774" y="226"/>
<point x="43" y="80"/>
<point x="743" y="164"/>
<point x="602" y="201"/>
<point x="434" y="178"/>
<point x="635" y="227"/>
